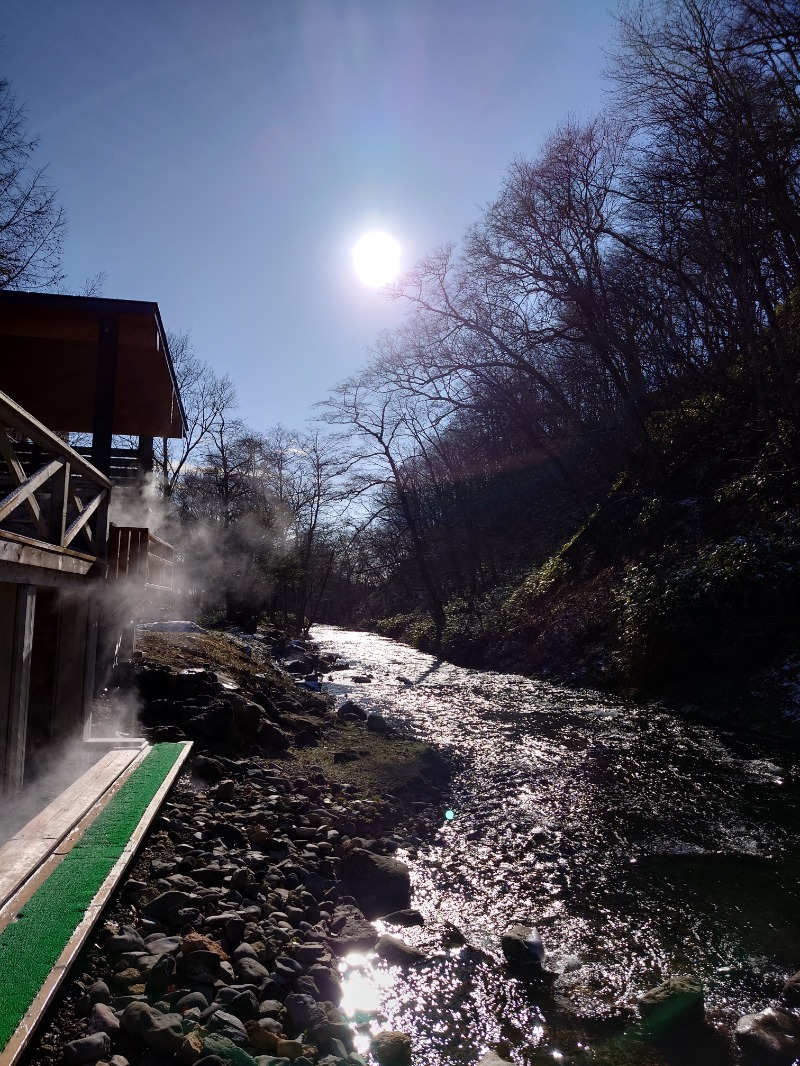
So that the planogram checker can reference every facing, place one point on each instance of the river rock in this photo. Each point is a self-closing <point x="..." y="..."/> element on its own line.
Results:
<point x="272" y="737"/>
<point x="772" y="1035"/>
<point x="167" y="904"/>
<point x="250" y="971"/>
<point x="224" y="790"/>
<point x="405" y="918"/>
<point x="523" y="948"/>
<point x="102" y="1019"/>
<point x="289" y="1049"/>
<point x="376" y="723"/>
<point x="491" y="1058"/>
<point x="135" y="1016"/>
<point x="162" y="1032"/>
<point x="396" y="952"/>
<point x="201" y="967"/>
<point x="791" y="990"/>
<point x="225" y="1049"/>
<point x="192" y="1001"/>
<point x="99" y="992"/>
<point x="261" y="1037"/>
<point x="379" y="883"/>
<point x="246" y="715"/>
<point x="674" y="1003"/>
<point x="207" y="768"/>
<point x="190" y="1050"/>
<point x="352" y="931"/>
<point x="391" y="1048"/>
<point x="228" y="1025"/>
<point x="352" y="711"/>
<point x="123" y="942"/>
<point x="87" y="1049"/>
<point x="301" y="1009"/>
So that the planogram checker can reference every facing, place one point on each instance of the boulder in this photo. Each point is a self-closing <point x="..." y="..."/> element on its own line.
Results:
<point x="216" y="723"/>
<point x="771" y="1036"/>
<point x="391" y="1048"/>
<point x="380" y="884"/>
<point x="676" y="1002"/>
<point x="491" y="1058"/>
<point x="272" y="737"/>
<point x="351" y="931"/>
<point x="396" y="952"/>
<point x="351" y="710"/>
<point x="523" y="948"/>
<point x="376" y="723"/>
<point x="405" y="918"/>
<point x="246" y="714"/>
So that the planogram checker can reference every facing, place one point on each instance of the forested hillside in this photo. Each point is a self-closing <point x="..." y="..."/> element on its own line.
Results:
<point x="579" y="455"/>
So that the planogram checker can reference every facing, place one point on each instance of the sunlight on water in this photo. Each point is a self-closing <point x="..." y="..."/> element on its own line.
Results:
<point x="640" y="845"/>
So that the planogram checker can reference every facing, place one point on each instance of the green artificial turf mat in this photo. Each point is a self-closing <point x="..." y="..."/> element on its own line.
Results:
<point x="31" y="945"/>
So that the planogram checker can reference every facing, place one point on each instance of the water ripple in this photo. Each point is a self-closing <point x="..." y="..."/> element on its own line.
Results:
<point x="640" y="844"/>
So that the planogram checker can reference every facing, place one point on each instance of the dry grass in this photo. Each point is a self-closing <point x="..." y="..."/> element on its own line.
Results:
<point x="212" y="651"/>
<point x="385" y="765"/>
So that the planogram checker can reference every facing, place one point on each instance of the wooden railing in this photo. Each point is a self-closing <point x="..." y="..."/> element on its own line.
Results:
<point x="51" y="498"/>
<point x="140" y="556"/>
<point x="124" y="463"/>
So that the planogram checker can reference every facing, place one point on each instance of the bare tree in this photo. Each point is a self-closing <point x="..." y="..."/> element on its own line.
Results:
<point x="208" y="399"/>
<point x="32" y="224"/>
<point x="381" y="439"/>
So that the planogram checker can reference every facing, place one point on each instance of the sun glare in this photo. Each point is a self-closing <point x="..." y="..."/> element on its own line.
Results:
<point x="377" y="258"/>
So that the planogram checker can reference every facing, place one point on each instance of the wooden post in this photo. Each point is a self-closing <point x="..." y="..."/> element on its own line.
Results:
<point x="71" y="664"/>
<point x="105" y="391"/>
<point x="17" y="606"/>
<point x="145" y="455"/>
<point x="58" y="505"/>
<point x="90" y="671"/>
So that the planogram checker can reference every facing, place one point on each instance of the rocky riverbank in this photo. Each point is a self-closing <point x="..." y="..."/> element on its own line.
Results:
<point x="262" y="869"/>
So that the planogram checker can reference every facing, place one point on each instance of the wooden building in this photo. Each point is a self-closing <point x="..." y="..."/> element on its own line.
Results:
<point x="71" y="365"/>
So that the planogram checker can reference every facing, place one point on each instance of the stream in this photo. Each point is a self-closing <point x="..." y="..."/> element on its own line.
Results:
<point x="641" y="845"/>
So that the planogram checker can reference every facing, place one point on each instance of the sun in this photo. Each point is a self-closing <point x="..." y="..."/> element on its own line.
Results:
<point x="377" y="258"/>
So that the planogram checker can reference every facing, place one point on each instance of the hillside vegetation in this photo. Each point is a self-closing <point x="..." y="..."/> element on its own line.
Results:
<point x="686" y="594"/>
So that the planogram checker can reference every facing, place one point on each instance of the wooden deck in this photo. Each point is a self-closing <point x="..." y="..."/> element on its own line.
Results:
<point x="28" y="859"/>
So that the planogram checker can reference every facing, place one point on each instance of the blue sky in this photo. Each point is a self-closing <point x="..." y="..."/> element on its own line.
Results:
<point x="223" y="158"/>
